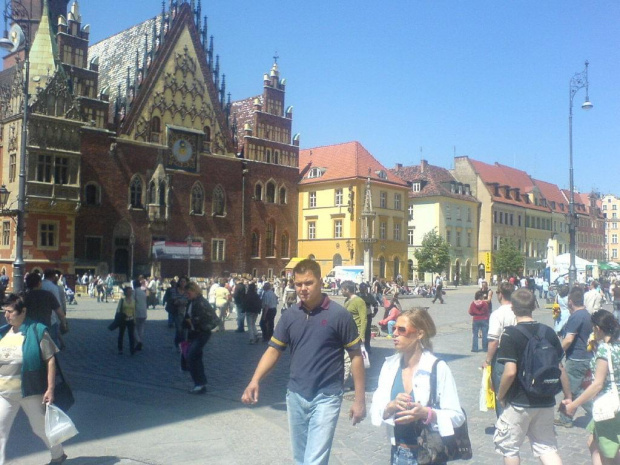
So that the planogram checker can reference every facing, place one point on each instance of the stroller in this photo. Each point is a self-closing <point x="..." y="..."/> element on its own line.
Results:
<point x="70" y="296"/>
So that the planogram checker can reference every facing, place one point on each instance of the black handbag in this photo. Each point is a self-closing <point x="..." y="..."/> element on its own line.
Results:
<point x="119" y="317"/>
<point x="435" y="448"/>
<point x="63" y="396"/>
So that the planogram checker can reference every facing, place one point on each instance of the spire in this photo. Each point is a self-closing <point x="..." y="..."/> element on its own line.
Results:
<point x="204" y="33"/>
<point x="216" y="71"/>
<point x="210" y="53"/>
<point x="43" y="50"/>
<point x="197" y="14"/>
<point x="223" y="90"/>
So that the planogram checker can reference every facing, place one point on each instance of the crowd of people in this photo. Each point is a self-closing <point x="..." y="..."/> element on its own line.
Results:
<point x="416" y="393"/>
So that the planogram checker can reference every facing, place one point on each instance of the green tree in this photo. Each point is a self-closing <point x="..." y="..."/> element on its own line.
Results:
<point x="507" y="260"/>
<point x="434" y="254"/>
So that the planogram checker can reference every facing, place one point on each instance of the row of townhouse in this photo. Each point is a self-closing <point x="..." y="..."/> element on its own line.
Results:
<point x="354" y="211"/>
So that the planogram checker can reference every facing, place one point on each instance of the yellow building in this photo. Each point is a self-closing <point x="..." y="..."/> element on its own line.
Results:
<point x="611" y="210"/>
<point x="332" y="194"/>
<point x="437" y="201"/>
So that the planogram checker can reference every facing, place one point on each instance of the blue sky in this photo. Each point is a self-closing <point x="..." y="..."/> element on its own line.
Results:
<point x="427" y="79"/>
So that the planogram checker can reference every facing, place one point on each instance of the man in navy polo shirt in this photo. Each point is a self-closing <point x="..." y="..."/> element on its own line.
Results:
<point x="317" y="331"/>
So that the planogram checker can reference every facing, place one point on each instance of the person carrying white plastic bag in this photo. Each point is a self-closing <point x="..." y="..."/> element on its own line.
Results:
<point x="58" y="425"/>
<point x="27" y="373"/>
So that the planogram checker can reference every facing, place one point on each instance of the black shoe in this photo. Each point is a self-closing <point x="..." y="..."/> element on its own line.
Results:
<point x="138" y="346"/>
<point x="239" y="331"/>
<point x="60" y="459"/>
<point x="120" y="351"/>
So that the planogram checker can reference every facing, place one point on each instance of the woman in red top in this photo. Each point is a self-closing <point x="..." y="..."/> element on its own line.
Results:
<point x="479" y="309"/>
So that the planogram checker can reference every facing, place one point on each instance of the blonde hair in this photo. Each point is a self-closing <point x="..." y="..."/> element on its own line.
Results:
<point x="194" y="287"/>
<point x="420" y="319"/>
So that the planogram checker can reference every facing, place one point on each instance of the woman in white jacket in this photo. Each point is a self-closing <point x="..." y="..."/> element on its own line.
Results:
<point x="400" y="401"/>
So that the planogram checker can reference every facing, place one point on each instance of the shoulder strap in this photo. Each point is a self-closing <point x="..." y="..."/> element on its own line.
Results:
<point x="522" y="330"/>
<point x="610" y="366"/>
<point x="432" y="398"/>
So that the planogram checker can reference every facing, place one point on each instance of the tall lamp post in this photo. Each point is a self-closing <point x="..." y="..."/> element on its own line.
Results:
<point x="577" y="82"/>
<point x="189" y="254"/>
<point x="14" y="10"/>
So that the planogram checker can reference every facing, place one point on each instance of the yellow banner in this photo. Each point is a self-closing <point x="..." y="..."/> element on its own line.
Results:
<point x="487" y="261"/>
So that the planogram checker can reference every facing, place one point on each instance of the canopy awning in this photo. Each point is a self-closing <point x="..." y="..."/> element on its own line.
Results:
<point x="294" y="261"/>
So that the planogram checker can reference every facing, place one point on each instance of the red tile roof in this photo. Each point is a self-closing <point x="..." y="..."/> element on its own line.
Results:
<point x="553" y="194"/>
<point x="506" y="177"/>
<point x="344" y="161"/>
<point x="435" y="181"/>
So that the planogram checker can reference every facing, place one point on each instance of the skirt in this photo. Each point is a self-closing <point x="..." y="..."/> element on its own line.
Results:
<point x="607" y="436"/>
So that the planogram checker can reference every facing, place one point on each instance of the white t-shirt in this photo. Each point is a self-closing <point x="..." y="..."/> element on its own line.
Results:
<point x="500" y="319"/>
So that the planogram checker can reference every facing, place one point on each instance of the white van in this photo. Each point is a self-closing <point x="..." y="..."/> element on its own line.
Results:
<point x="346" y="273"/>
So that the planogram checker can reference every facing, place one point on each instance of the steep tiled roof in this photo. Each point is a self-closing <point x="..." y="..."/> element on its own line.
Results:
<point x="7" y="76"/>
<point x="118" y="52"/>
<point x="554" y="196"/>
<point x="506" y="177"/>
<point x="243" y="110"/>
<point x="344" y="161"/>
<point x="435" y="181"/>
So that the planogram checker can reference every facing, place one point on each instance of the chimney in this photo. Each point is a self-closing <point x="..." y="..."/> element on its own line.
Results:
<point x="399" y="166"/>
<point x="423" y="165"/>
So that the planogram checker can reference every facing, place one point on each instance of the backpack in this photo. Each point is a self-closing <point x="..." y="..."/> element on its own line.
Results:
<point x="539" y="373"/>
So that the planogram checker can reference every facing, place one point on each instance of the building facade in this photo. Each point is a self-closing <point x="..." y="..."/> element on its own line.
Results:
<point x="610" y="205"/>
<point x="133" y="155"/>
<point x="437" y="201"/>
<point x="342" y="185"/>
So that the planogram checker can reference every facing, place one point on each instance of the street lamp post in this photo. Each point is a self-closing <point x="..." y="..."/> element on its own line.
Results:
<point x="132" y="243"/>
<point x="577" y="82"/>
<point x="189" y="254"/>
<point x="11" y="8"/>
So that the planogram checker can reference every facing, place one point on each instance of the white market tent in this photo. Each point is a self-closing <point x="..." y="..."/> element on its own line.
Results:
<point x="564" y="259"/>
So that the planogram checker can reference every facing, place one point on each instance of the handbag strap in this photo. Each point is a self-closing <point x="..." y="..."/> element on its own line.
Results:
<point x="59" y="370"/>
<point x="432" y="398"/>
<point x="614" y="388"/>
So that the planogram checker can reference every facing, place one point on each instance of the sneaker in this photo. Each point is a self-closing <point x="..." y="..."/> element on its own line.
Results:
<point x="60" y="459"/>
<point x="561" y="422"/>
<point x="388" y="337"/>
<point x="198" y="390"/>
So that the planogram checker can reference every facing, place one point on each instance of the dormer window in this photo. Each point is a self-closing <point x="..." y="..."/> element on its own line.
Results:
<point x="460" y="189"/>
<point x="553" y="204"/>
<point x="452" y="187"/>
<point x="507" y="192"/>
<point x="496" y="190"/>
<point x="416" y="186"/>
<point x="381" y="174"/>
<point x="315" y="173"/>
<point x="517" y="195"/>
<point x="467" y="189"/>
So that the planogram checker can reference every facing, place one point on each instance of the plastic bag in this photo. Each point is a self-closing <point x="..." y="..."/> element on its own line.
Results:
<point x="487" y="395"/>
<point x="365" y="357"/>
<point x="58" y="425"/>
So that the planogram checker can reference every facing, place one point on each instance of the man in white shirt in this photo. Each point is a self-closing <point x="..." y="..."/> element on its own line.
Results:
<point x="592" y="298"/>
<point x="500" y="319"/>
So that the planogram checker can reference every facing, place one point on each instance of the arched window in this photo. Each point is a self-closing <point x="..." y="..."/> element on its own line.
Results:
<point x="396" y="267"/>
<point x="284" y="245"/>
<point x="276" y="157"/>
<point x="219" y="201"/>
<point x="92" y="194"/>
<point x="162" y="193"/>
<point x="197" y="200"/>
<point x="268" y="156"/>
<point x="152" y="193"/>
<point x="337" y="260"/>
<point x="382" y="267"/>
<point x="135" y="192"/>
<point x="258" y="191"/>
<point x="255" y="244"/>
<point x="283" y="195"/>
<point x="270" y="250"/>
<point x="155" y="129"/>
<point x="206" y="142"/>
<point x="271" y="192"/>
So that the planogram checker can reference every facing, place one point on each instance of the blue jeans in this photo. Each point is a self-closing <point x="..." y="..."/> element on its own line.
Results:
<point x="403" y="456"/>
<point x="390" y="327"/>
<point x="480" y="325"/>
<point x="195" y="364"/>
<point x="312" y="424"/>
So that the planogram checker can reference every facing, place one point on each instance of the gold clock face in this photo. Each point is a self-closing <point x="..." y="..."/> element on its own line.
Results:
<point x="182" y="150"/>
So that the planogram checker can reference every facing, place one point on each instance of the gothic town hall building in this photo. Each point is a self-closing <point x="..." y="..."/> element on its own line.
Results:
<point x="137" y="160"/>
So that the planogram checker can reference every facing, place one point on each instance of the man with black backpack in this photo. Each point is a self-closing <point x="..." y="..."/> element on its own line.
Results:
<point x="533" y="375"/>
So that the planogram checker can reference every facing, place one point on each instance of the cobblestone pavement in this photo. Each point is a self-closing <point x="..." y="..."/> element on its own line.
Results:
<point x="136" y="410"/>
